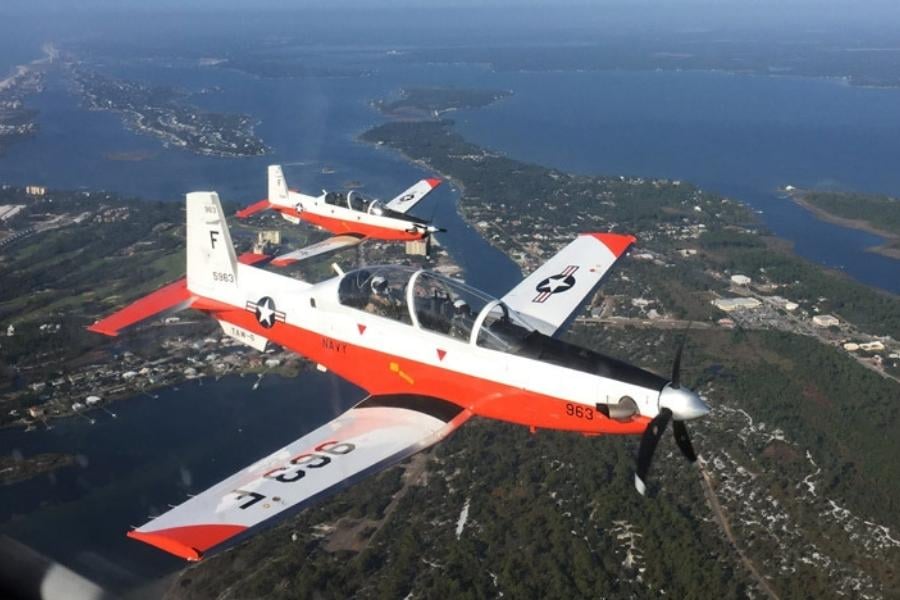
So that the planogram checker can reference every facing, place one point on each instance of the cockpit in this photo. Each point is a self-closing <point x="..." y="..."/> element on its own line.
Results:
<point x="435" y="303"/>
<point x="432" y="302"/>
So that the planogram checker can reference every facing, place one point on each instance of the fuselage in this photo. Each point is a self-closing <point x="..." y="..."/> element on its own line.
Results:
<point x="542" y="383"/>
<point x="341" y="215"/>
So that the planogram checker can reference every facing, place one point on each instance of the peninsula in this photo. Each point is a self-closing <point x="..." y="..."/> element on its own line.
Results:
<point x="876" y="214"/>
<point x="165" y="113"/>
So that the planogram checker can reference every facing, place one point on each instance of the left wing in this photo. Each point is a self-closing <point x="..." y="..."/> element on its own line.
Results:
<point x="375" y="434"/>
<point x="330" y="245"/>
<point x="554" y="293"/>
<point x="411" y="197"/>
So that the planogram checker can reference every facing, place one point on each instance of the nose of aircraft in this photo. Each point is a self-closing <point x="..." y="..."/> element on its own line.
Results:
<point x="684" y="403"/>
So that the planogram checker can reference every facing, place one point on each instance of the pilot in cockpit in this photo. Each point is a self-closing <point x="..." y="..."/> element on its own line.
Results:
<point x="463" y="319"/>
<point x="380" y="300"/>
<point x="335" y="198"/>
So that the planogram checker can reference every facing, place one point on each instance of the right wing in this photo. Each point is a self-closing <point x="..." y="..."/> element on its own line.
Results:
<point x="375" y="434"/>
<point x="555" y="292"/>
<point x="411" y="197"/>
<point x="330" y="245"/>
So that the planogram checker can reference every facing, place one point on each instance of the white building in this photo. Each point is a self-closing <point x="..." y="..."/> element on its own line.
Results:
<point x="732" y="304"/>
<point x="875" y="346"/>
<point x="825" y="321"/>
<point x="740" y="280"/>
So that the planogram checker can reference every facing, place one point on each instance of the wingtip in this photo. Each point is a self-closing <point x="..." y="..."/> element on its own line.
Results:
<point x="189" y="542"/>
<point x="433" y="182"/>
<point x="167" y="544"/>
<point x="617" y="243"/>
<point x="98" y="328"/>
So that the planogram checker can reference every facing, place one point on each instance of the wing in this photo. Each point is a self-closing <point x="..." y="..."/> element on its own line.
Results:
<point x="330" y="245"/>
<point x="556" y="290"/>
<point x="375" y="434"/>
<point x="411" y="197"/>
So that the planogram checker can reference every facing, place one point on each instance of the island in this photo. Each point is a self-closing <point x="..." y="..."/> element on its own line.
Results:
<point x="16" y="468"/>
<point x="795" y="490"/>
<point x="875" y="213"/>
<point x="166" y="114"/>
<point x="424" y="102"/>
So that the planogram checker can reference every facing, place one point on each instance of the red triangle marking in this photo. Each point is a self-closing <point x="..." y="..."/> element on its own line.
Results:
<point x="361" y="327"/>
<point x="441" y="354"/>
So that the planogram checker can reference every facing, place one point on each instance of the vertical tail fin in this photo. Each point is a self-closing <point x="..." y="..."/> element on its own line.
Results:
<point x="278" y="190"/>
<point x="211" y="261"/>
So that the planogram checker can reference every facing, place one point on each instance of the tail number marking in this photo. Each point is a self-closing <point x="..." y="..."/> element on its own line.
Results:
<point x="223" y="277"/>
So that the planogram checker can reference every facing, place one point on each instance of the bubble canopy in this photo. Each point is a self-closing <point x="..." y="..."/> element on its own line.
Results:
<point x="435" y="303"/>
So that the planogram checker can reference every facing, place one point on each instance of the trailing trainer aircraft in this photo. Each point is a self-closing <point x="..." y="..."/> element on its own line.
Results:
<point x="431" y="352"/>
<point x="350" y="216"/>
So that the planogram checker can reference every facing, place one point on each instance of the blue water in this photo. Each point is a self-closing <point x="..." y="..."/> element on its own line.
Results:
<point x="154" y="453"/>
<point x="743" y="136"/>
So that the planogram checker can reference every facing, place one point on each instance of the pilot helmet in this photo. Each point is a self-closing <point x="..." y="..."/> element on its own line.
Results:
<point x="460" y="306"/>
<point x="379" y="284"/>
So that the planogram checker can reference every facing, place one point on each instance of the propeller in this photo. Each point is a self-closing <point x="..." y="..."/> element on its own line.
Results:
<point x="428" y="233"/>
<point x="675" y="403"/>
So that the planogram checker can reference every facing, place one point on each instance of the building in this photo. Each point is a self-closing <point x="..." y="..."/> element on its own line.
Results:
<point x="417" y="248"/>
<point x="11" y="330"/>
<point x="851" y="346"/>
<point x="740" y="280"/>
<point x="732" y="304"/>
<point x="875" y="346"/>
<point x="270" y="236"/>
<point x="36" y="190"/>
<point x="8" y="211"/>
<point x="825" y="321"/>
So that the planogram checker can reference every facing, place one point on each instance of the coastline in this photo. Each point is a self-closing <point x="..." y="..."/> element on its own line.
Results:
<point x="889" y="248"/>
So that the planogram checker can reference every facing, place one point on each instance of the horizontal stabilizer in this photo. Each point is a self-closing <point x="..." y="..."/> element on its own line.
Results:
<point x="168" y="299"/>
<point x="171" y="298"/>
<point x="330" y="245"/>
<point x="253" y="209"/>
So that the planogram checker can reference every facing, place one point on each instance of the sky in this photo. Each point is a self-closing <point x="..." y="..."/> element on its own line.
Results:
<point x="637" y="15"/>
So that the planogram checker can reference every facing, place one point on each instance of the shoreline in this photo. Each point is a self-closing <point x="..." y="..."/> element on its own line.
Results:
<point x="889" y="248"/>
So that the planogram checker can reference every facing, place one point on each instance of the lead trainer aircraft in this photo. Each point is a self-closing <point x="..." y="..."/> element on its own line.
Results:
<point x="431" y="352"/>
<point x="350" y="217"/>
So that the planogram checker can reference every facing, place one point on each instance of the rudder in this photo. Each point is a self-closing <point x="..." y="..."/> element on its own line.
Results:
<point x="278" y="190"/>
<point x="211" y="260"/>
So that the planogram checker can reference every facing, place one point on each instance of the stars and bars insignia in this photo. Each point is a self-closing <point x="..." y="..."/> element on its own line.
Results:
<point x="265" y="311"/>
<point x="556" y="284"/>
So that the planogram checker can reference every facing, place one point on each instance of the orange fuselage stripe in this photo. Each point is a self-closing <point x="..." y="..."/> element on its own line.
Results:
<point x="343" y="226"/>
<point x="381" y="373"/>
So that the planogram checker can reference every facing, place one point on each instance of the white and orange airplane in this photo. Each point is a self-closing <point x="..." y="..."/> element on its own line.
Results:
<point x="431" y="351"/>
<point x="350" y="216"/>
